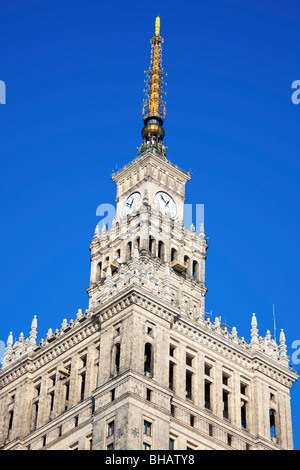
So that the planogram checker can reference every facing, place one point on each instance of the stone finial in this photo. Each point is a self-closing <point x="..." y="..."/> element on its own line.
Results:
<point x="33" y="333"/>
<point x="282" y="349"/>
<point x="192" y="229"/>
<point x="234" y="335"/>
<point x="79" y="314"/>
<point x="217" y="324"/>
<point x="282" y="337"/>
<point x="10" y="340"/>
<point x="268" y="336"/>
<point x="201" y="232"/>
<point x="50" y="333"/>
<point x="254" y="333"/>
<point x="96" y="233"/>
<point x="64" y="324"/>
<point x="8" y="350"/>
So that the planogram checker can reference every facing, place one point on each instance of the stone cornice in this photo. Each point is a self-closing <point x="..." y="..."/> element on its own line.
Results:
<point x="145" y="159"/>
<point x="49" y="350"/>
<point x="198" y="332"/>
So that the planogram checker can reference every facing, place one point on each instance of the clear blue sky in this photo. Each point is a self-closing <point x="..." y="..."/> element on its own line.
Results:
<point x="74" y="77"/>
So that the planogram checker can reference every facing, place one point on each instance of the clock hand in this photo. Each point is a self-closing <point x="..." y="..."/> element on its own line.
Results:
<point x="163" y="199"/>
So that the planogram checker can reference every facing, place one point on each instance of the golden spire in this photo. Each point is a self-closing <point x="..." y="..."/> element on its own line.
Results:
<point x="154" y="109"/>
<point x="154" y="104"/>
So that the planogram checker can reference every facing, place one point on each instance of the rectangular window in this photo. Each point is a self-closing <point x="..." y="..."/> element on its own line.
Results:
<point x="53" y="380"/>
<point x="225" y="379"/>
<point x="147" y="428"/>
<point x="67" y="391"/>
<point x="110" y="446"/>
<point x="171" y="444"/>
<point x="10" y="423"/>
<point x="243" y="415"/>
<point x="146" y="446"/>
<point x="207" y="369"/>
<point x="189" y="360"/>
<point x="83" y="359"/>
<point x="171" y="375"/>
<point x="82" y="387"/>
<point x="225" y="404"/>
<point x="189" y="376"/>
<point x="36" y="412"/>
<point x="148" y="396"/>
<point x="111" y="428"/>
<point x="51" y="401"/>
<point x="207" y="395"/>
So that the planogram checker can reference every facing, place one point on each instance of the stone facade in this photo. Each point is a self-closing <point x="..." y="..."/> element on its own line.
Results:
<point x="145" y="367"/>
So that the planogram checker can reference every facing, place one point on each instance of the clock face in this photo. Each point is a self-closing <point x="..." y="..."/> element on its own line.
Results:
<point x="165" y="204"/>
<point x="132" y="203"/>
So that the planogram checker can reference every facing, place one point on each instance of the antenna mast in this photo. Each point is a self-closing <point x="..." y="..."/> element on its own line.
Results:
<point x="274" y="322"/>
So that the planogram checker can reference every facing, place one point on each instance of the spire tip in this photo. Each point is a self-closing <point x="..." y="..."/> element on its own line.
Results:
<point x="157" y="26"/>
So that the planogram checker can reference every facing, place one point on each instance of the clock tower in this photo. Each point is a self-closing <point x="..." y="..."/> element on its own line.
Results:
<point x="149" y="227"/>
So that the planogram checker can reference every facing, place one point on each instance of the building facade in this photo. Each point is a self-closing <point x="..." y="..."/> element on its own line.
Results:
<point x="145" y="367"/>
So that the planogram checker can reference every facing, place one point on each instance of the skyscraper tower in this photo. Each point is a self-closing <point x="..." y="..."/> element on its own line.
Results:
<point x="144" y="367"/>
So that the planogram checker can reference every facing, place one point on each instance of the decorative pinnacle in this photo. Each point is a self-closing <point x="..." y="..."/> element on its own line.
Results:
<point x="254" y="333"/>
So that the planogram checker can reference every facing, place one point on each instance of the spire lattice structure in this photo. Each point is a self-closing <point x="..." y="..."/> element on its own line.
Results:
<point x="154" y="109"/>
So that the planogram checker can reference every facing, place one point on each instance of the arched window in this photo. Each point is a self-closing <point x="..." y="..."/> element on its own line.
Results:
<point x="152" y="245"/>
<point x="98" y="271"/>
<point x="161" y="251"/>
<point x="196" y="273"/>
<point x="137" y="243"/>
<point x="173" y="254"/>
<point x="128" y="251"/>
<point x="148" y="359"/>
<point x="272" y="424"/>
